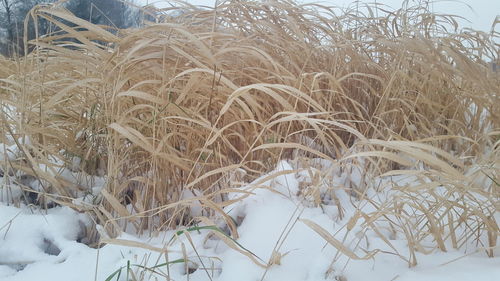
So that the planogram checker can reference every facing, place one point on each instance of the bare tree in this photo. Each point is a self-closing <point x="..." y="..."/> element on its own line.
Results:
<point x="109" y="12"/>
<point x="7" y="6"/>
<point x="13" y="12"/>
<point x="12" y="15"/>
<point x="6" y="21"/>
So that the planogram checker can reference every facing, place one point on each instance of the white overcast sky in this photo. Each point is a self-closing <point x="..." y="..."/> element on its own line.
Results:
<point x="481" y="16"/>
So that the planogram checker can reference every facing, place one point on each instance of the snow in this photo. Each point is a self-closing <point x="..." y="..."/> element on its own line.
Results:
<point x="8" y="152"/>
<point x="43" y="245"/>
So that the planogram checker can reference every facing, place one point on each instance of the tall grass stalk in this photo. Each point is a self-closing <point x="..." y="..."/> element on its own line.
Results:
<point x="189" y="100"/>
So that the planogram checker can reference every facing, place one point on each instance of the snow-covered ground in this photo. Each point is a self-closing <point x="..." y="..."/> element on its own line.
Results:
<point x="273" y="226"/>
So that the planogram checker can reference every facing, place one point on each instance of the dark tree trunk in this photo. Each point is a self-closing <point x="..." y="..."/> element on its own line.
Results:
<point x="8" y="14"/>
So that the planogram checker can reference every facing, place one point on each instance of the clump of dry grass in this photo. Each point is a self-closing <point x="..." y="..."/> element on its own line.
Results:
<point x="185" y="102"/>
<point x="447" y="205"/>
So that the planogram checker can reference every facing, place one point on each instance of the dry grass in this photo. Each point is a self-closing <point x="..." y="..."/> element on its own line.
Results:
<point x="447" y="205"/>
<point x="185" y="102"/>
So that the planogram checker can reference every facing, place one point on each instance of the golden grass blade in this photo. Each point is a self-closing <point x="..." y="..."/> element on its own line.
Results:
<point x="336" y="243"/>
<point x="134" y="244"/>
<point x="115" y="204"/>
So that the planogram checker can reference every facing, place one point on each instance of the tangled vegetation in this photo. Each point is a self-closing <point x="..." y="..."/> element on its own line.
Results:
<point x="200" y="99"/>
